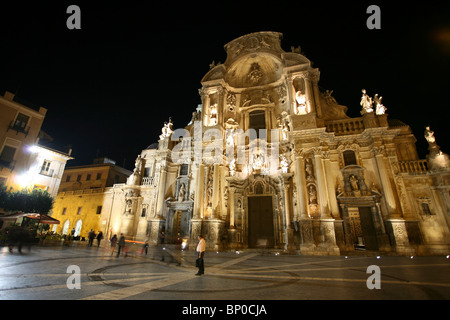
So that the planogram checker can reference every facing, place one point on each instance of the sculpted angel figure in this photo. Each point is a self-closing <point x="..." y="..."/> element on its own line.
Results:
<point x="429" y="135"/>
<point x="366" y="102"/>
<point x="380" y="108"/>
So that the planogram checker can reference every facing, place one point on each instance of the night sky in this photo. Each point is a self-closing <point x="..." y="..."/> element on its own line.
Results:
<point x="110" y="86"/>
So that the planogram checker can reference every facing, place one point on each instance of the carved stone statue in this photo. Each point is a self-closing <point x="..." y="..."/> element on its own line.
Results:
<point x="284" y="164"/>
<point x="366" y="102"/>
<point x="233" y="167"/>
<point x="429" y="135"/>
<point x="309" y="170"/>
<point x="212" y="115"/>
<point x="354" y="183"/>
<point x="380" y="108"/>
<point x="312" y="195"/>
<point x="166" y="129"/>
<point x="181" y="192"/>
<point x="135" y="177"/>
<point x="300" y="99"/>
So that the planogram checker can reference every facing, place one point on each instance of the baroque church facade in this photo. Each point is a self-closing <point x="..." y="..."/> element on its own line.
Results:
<point x="269" y="161"/>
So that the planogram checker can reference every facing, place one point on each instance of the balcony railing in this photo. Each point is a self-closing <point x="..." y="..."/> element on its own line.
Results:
<point x="149" y="181"/>
<point x="413" y="166"/>
<point x="13" y="126"/>
<point x="345" y="126"/>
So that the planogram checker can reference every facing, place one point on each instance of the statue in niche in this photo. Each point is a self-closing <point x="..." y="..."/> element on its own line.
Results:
<point x="258" y="161"/>
<point x="354" y="183"/>
<point x="380" y="108"/>
<point x="128" y="206"/>
<point x="212" y="115"/>
<point x="300" y="107"/>
<point x="312" y="195"/>
<point x="181" y="193"/>
<point x="284" y="123"/>
<point x="366" y="102"/>
<point x="429" y="135"/>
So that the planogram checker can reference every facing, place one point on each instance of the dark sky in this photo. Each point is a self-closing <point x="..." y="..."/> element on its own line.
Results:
<point x="110" y="86"/>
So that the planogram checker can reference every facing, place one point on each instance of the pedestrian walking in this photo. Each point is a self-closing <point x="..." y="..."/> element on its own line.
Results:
<point x="99" y="238"/>
<point x="145" y="247"/>
<point x="113" y="242"/>
<point x="178" y="249"/>
<point x="91" y="237"/>
<point x="201" y="247"/>
<point x="121" y="244"/>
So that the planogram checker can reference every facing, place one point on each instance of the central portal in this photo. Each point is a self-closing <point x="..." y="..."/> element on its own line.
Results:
<point x="260" y="222"/>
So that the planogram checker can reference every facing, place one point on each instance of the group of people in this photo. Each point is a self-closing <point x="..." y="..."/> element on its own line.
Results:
<point x="92" y="236"/>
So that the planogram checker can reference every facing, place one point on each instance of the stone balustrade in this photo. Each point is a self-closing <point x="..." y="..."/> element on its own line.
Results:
<point x="413" y="166"/>
<point x="345" y="126"/>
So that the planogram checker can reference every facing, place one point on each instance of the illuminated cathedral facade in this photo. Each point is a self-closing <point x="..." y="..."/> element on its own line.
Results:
<point x="270" y="161"/>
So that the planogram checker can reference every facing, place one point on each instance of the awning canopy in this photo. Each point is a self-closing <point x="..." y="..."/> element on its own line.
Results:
<point x="35" y="216"/>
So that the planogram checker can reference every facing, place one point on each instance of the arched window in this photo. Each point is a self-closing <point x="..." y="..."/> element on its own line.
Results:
<point x="78" y="228"/>
<point x="349" y="157"/>
<point x="65" y="228"/>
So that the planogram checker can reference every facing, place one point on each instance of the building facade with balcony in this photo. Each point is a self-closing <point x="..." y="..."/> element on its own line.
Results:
<point x="24" y="163"/>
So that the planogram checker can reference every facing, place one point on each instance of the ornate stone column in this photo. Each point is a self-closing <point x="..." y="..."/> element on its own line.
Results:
<point x="300" y="182"/>
<point x="216" y="192"/>
<point x="385" y="182"/>
<point x="196" y="221"/>
<point x="161" y="191"/>
<point x="231" y="191"/>
<point x="330" y="180"/>
<point x="322" y="184"/>
<point x="289" y="234"/>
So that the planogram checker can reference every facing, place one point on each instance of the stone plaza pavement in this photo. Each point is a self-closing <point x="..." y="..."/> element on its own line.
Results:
<point x="51" y="273"/>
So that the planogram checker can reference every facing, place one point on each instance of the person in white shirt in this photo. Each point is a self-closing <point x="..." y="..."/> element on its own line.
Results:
<point x="201" y="247"/>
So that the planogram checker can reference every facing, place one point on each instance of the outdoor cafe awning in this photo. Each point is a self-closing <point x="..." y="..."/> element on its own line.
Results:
<point x="35" y="216"/>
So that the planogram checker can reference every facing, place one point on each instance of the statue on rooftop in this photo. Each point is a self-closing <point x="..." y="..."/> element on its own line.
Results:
<point x="366" y="102"/>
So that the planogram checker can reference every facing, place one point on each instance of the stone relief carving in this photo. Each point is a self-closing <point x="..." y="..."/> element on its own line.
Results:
<point x="255" y="74"/>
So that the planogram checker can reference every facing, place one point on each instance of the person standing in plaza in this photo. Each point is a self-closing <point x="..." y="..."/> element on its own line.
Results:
<point x="121" y="244"/>
<point x="91" y="236"/>
<point x="113" y="242"/>
<point x="201" y="247"/>
<point x="99" y="238"/>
